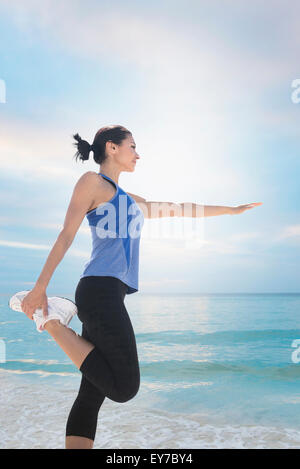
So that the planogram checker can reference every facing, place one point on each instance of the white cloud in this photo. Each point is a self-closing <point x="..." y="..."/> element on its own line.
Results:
<point x="245" y="236"/>
<point x="37" y="151"/>
<point x="42" y="247"/>
<point x="289" y="232"/>
<point x="18" y="244"/>
<point x="17" y="222"/>
<point x="85" y="230"/>
<point x="193" y="78"/>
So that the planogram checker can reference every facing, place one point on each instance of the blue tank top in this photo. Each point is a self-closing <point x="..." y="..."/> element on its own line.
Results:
<point x="116" y="229"/>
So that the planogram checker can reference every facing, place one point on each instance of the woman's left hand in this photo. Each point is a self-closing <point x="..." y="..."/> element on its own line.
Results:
<point x="242" y="208"/>
<point x="35" y="299"/>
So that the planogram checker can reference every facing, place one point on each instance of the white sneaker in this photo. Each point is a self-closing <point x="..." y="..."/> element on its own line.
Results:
<point x="59" y="308"/>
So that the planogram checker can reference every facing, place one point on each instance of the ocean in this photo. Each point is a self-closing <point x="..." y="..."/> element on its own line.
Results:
<point x="217" y="371"/>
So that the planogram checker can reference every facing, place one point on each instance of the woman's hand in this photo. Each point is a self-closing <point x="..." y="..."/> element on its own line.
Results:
<point x="36" y="298"/>
<point x="242" y="208"/>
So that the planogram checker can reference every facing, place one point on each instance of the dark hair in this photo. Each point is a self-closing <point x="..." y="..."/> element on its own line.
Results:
<point x="112" y="133"/>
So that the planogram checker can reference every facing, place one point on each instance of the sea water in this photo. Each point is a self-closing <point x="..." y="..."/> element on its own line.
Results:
<point x="217" y="371"/>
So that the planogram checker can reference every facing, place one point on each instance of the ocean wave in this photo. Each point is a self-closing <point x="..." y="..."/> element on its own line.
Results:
<point x="41" y="367"/>
<point x="192" y="369"/>
<point x="230" y="337"/>
<point x="169" y="370"/>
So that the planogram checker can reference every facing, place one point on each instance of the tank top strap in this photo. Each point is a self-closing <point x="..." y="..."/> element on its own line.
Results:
<point x="107" y="177"/>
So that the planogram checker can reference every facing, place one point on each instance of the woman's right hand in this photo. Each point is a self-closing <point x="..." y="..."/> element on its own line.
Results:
<point x="241" y="208"/>
<point x="36" y="298"/>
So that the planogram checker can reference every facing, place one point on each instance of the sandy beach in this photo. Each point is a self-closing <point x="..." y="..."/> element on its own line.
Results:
<point x="33" y="416"/>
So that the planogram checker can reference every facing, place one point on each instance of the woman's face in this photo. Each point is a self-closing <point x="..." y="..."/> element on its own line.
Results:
<point x="127" y="155"/>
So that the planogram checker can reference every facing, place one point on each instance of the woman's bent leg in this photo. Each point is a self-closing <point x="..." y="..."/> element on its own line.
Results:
<point x="112" y="366"/>
<point x="110" y="362"/>
<point x="76" y="347"/>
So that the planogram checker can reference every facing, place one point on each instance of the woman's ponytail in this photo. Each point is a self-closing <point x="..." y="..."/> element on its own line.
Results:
<point x="110" y="133"/>
<point x="83" y="148"/>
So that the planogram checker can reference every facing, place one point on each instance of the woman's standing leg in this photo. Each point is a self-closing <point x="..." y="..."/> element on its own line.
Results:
<point x="82" y="421"/>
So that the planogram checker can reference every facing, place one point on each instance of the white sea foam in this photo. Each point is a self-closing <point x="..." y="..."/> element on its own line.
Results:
<point x="33" y="414"/>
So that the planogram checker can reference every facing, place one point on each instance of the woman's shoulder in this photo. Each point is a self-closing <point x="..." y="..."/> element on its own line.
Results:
<point x="89" y="181"/>
<point x="90" y="177"/>
<point x="94" y="183"/>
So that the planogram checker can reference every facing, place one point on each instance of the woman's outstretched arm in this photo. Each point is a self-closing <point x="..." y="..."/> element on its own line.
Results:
<point x="153" y="209"/>
<point x="196" y="210"/>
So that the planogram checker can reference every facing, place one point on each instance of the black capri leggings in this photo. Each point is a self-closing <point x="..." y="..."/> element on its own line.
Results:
<point x="111" y="369"/>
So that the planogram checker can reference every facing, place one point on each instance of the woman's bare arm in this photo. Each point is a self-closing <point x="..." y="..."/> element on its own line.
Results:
<point x="153" y="209"/>
<point x="81" y="200"/>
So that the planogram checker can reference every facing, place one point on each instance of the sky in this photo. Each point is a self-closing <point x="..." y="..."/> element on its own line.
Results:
<point x="209" y="91"/>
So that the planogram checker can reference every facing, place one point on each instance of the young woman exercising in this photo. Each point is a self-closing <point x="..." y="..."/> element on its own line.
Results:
<point x="106" y="352"/>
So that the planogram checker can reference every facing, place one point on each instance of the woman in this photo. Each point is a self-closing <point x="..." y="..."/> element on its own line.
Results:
<point x="106" y="352"/>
